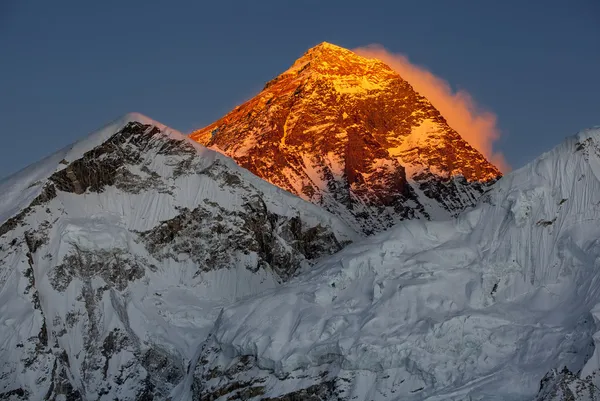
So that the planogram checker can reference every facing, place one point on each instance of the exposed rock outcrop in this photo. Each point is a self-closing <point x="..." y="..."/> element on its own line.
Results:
<point x="350" y="134"/>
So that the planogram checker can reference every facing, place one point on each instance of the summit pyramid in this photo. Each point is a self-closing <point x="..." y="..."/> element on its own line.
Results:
<point x="350" y="134"/>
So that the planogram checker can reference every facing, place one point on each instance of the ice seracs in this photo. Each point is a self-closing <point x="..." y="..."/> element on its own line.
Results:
<point x="482" y="307"/>
<point x="138" y="264"/>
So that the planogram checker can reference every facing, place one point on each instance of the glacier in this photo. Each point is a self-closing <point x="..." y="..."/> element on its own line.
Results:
<point x="481" y="307"/>
<point x="137" y="264"/>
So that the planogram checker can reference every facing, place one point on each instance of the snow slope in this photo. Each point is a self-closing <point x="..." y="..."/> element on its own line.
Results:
<point x="478" y="308"/>
<point x="118" y="252"/>
<point x="137" y="264"/>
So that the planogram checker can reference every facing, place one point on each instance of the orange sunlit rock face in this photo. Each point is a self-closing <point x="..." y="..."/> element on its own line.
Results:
<point x="349" y="133"/>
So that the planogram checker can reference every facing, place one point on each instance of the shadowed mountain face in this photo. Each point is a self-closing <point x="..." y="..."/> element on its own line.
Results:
<point x="117" y="254"/>
<point x="350" y="134"/>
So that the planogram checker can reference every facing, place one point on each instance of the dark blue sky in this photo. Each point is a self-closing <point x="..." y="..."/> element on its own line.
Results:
<point x="68" y="67"/>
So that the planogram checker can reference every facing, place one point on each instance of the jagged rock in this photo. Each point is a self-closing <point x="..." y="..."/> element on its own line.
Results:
<point x="566" y="386"/>
<point x="476" y="308"/>
<point x="134" y="228"/>
<point x="350" y="134"/>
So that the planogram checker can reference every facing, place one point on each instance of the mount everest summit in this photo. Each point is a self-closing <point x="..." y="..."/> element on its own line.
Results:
<point x="392" y="263"/>
<point x="349" y="134"/>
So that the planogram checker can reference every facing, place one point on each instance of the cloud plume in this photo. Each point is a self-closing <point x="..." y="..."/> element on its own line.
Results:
<point x="476" y="126"/>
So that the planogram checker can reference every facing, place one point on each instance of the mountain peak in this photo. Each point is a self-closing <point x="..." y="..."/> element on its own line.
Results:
<point x="330" y="61"/>
<point x="348" y="133"/>
<point x="135" y="116"/>
<point x="325" y="49"/>
<point x="327" y="45"/>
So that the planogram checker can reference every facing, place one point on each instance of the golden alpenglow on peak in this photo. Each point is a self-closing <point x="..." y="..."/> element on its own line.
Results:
<point x="349" y="134"/>
<point x="328" y="60"/>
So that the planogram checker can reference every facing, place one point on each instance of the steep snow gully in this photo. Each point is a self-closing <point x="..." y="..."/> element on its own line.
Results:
<point x="137" y="264"/>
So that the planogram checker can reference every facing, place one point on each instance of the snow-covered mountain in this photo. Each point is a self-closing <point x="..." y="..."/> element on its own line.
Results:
<point x="137" y="264"/>
<point x="349" y="134"/>
<point x="117" y="254"/>
<point x="502" y="303"/>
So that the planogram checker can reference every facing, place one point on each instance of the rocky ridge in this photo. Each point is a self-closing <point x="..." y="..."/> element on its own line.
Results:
<point x="117" y="252"/>
<point x="349" y="134"/>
